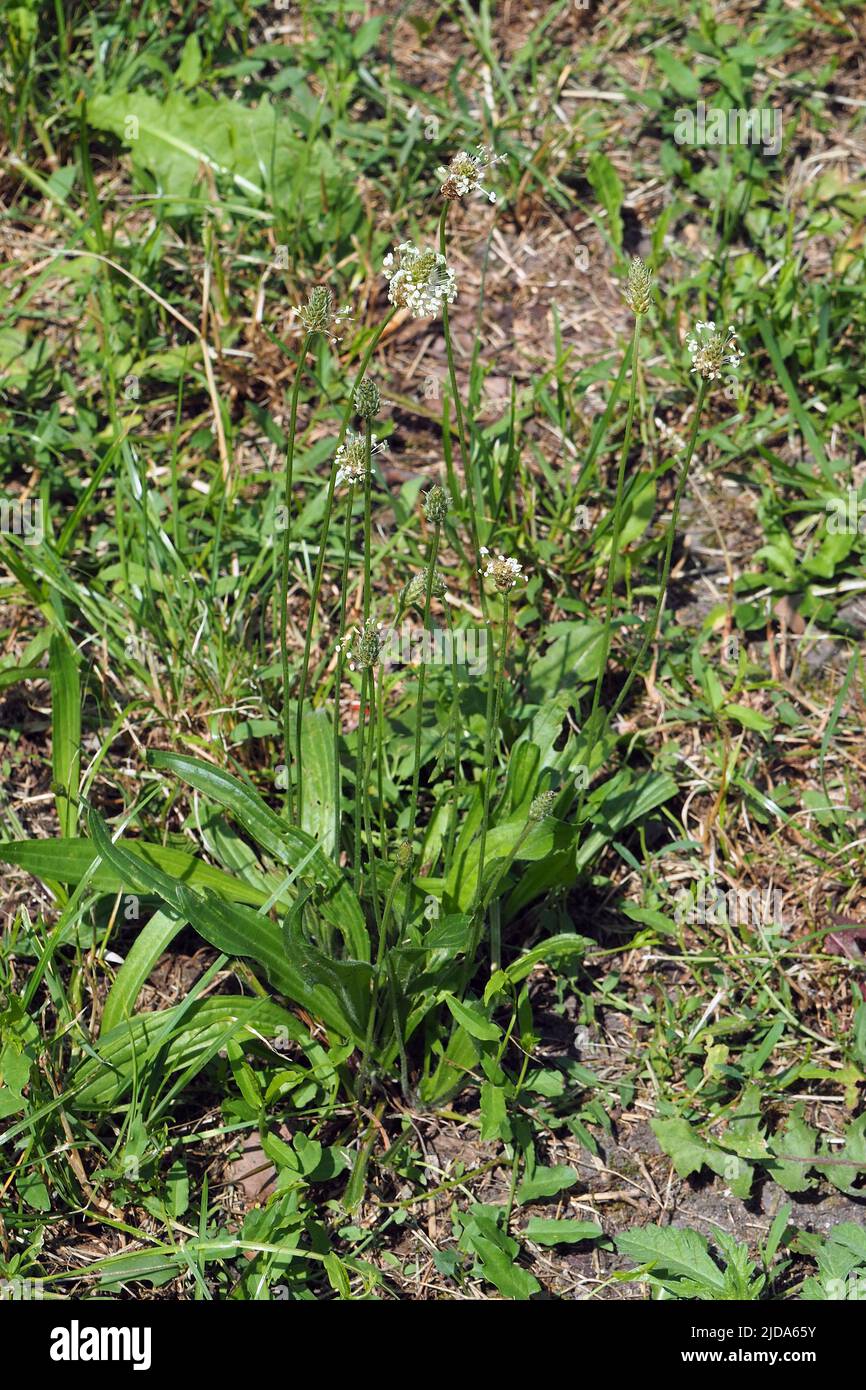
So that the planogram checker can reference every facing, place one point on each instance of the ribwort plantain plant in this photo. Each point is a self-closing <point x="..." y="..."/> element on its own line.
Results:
<point x="378" y="922"/>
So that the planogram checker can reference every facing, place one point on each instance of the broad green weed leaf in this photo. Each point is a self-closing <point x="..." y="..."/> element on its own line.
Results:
<point x="542" y="1231"/>
<point x="679" y="1258"/>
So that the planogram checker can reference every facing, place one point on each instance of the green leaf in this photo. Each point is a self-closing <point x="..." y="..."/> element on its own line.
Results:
<point x="686" y="1149"/>
<point x="573" y="656"/>
<point x="67" y="861"/>
<point x="547" y="837"/>
<point x="231" y="927"/>
<point x="449" y="1077"/>
<point x="152" y="941"/>
<point x="317" y="740"/>
<point x="681" y="78"/>
<point x="473" y="1020"/>
<point x="183" y="139"/>
<point x="621" y="802"/>
<point x="607" y="186"/>
<point x="804" y="420"/>
<point x="501" y="1271"/>
<point x="546" y="1182"/>
<point x="494" y="1113"/>
<point x="65" y="731"/>
<point x="189" y="69"/>
<point x="555" y="951"/>
<point x="689" y="1153"/>
<point x="101" y="1081"/>
<point x="745" y="1135"/>
<point x="542" y="1231"/>
<point x="678" y="1256"/>
<point x="290" y="846"/>
<point x="841" y="1175"/>
<point x="749" y="718"/>
<point x="348" y="981"/>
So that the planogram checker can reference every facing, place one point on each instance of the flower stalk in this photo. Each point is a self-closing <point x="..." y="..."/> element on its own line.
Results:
<point x="320" y="564"/>
<point x="284" y="575"/>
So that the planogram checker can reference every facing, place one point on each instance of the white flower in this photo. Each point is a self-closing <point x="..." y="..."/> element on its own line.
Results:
<point x="465" y="172"/>
<point x="504" y="571"/>
<point x="420" y="280"/>
<point x="351" y="458"/>
<point x="711" y="350"/>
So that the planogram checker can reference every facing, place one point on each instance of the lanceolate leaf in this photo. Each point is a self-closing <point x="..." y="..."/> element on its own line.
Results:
<point x="153" y="939"/>
<point x="126" y="1050"/>
<point x="65" y="731"/>
<point x="347" y="981"/>
<point x="231" y="927"/>
<point x="286" y="843"/>
<point x="546" y="838"/>
<point x="67" y="861"/>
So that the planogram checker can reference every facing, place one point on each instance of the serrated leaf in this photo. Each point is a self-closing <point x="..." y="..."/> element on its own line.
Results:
<point x="840" y="1175"/>
<point x="797" y="1138"/>
<point x="676" y="1257"/>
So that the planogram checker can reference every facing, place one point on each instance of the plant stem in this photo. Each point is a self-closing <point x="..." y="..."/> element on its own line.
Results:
<point x="359" y="778"/>
<point x="461" y="429"/>
<point x="507" y="862"/>
<point x="371" y="679"/>
<point x="398" y="1026"/>
<point x="320" y="559"/>
<point x="284" y="577"/>
<point x="368" y="768"/>
<point x="380" y="760"/>
<point x="432" y="555"/>
<point x="617" y="525"/>
<point x="650" y="633"/>
<point x="651" y="626"/>
<point x="455" y="717"/>
<point x="368" y="519"/>
<point x="377" y="974"/>
<point x="338" y="676"/>
<point x="490" y="742"/>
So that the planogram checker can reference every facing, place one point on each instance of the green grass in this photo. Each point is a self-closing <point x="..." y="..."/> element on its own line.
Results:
<point x="256" y="893"/>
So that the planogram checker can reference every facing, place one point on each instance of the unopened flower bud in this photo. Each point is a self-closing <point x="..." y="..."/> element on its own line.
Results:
<point x="638" y="293"/>
<point x="367" y="399"/>
<point x="542" y="806"/>
<point x="317" y="314"/>
<point x="414" y="591"/>
<point x="437" y="505"/>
